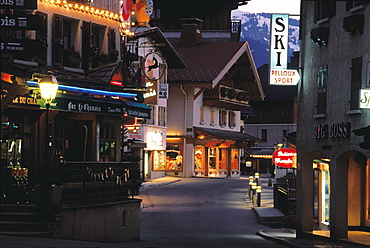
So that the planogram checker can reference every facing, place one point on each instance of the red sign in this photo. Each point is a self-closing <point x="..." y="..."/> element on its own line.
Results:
<point x="284" y="157"/>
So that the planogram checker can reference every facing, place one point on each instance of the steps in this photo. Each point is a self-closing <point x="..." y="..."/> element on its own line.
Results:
<point x="24" y="220"/>
<point x="269" y="216"/>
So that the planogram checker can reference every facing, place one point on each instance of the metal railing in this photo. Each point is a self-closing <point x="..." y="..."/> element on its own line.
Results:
<point x="98" y="182"/>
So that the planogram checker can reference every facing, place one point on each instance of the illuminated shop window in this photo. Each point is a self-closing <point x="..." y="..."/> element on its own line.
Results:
<point x="212" y="158"/>
<point x="198" y="158"/>
<point x="159" y="160"/>
<point x="222" y="158"/>
<point x="174" y="158"/>
<point x="234" y="159"/>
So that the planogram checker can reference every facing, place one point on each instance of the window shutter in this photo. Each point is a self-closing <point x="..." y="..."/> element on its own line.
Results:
<point x="356" y="77"/>
<point x="42" y="37"/>
<point x="86" y="41"/>
<point x="58" y="40"/>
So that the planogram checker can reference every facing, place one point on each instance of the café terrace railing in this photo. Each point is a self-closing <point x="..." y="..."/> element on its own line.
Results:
<point x="98" y="182"/>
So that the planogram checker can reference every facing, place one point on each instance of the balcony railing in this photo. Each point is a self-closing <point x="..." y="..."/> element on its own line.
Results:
<point x="226" y="97"/>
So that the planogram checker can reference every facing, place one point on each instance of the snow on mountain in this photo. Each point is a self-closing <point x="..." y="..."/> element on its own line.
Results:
<point x="256" y="30"/>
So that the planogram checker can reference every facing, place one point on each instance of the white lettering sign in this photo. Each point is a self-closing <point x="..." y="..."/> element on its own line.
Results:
<point x="365" y="98"/>
<point x="284" y="77"/>
<point x="279" y="41"/>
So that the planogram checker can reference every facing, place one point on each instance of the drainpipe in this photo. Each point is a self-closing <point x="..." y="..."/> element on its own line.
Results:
<point x="185" y="124"/>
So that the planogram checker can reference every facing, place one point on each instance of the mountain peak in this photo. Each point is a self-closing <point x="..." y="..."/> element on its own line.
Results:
<point x="256" y="30"/>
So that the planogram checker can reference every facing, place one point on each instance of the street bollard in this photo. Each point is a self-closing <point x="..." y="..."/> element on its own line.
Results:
<point x="257" y="176"/>
<point x="254" y="187"/>
<point x="251" y="179"/>
<point x="259" y="191"/>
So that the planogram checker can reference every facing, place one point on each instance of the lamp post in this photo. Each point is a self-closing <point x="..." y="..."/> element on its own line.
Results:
<point x="48" y="89"/>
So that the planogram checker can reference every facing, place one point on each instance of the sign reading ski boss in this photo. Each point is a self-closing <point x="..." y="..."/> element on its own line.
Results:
<point x="279" y="74"/>
<point x="285" y="157"/>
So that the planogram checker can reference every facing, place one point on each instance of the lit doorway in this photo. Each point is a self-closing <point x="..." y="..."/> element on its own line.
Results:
<point x="321" y="194"/>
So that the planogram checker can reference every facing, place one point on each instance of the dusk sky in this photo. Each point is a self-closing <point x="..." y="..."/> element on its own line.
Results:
<point x="291" y="7"/>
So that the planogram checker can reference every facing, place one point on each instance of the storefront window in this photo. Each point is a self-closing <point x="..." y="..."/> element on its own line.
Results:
<point x="159" y="160"/>
<point x="234" y="159"/>
<point x="212" y="158"/>
<point x="198" y="158"/>
<point x="222" y="159"/>
<point x="174" y="158"/>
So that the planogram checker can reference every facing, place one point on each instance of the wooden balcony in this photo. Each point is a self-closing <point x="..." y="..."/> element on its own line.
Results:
<point x="226" y="97"/>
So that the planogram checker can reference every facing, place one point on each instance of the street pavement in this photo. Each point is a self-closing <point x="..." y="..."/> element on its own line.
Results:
<point x="283" y="236"/>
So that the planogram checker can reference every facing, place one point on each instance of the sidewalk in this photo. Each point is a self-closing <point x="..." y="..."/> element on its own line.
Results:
<point x="270" y="215"/>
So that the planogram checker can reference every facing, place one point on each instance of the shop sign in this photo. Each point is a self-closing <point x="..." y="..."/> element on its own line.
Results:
<point x="16" y="22"/>
<point x="279" y="41"/>
<point x="84" y="106"/>
<point x="365" y="98"/>
<point x="18" y="4"/>
<point x="285" y="157"/>
<point x="20" y="46"/>
<point x="279" y="74"/>
<point x="332" y="130"/>
<point x="284" y="77"/>
<point x="151" y="96"/>
<point x="26" y="100"/>
<point x="163" y="91"/>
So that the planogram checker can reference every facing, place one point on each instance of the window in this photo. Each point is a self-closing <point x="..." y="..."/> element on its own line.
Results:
<point x="222" y="117"/>
<point x="107" y="151"/>
<point x="232" y="119"/>
<point x="264" y="135"/>
<point x="356" y="77"/>
<point x="201" y="115"/>
<point x="162" y="116"/>
<point x="263" y="112"/>
<point x="324" y="9"/>
<point x="322" y="80"/>
<point x="212" y="119"/>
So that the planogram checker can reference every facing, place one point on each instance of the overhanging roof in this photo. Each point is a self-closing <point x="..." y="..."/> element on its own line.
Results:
<point x="222" y="134"/>
<point x="173" y="59"/>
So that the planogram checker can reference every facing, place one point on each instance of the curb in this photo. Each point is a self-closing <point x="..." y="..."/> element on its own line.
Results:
<point x="262" y="233"/>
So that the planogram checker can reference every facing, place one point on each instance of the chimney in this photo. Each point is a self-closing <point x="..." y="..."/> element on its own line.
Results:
<point x="191" y="34"/>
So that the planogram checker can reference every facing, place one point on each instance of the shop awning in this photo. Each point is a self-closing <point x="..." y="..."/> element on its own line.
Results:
<point x="226" y="138"/>
<point x="95" y="105"/>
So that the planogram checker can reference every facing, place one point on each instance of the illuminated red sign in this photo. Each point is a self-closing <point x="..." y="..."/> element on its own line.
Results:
<point x="284" y="157"/>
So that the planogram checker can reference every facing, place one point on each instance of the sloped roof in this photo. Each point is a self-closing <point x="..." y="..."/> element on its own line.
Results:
<point x="172" y="57"/>
<point x="203" y="62"/>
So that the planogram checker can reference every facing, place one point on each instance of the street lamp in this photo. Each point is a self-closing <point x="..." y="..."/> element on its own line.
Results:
<point x="48" y="88"/>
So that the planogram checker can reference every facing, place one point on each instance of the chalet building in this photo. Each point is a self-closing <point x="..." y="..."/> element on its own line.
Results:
<point x="205" y="101"/>
<point x="333" y="188"/>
